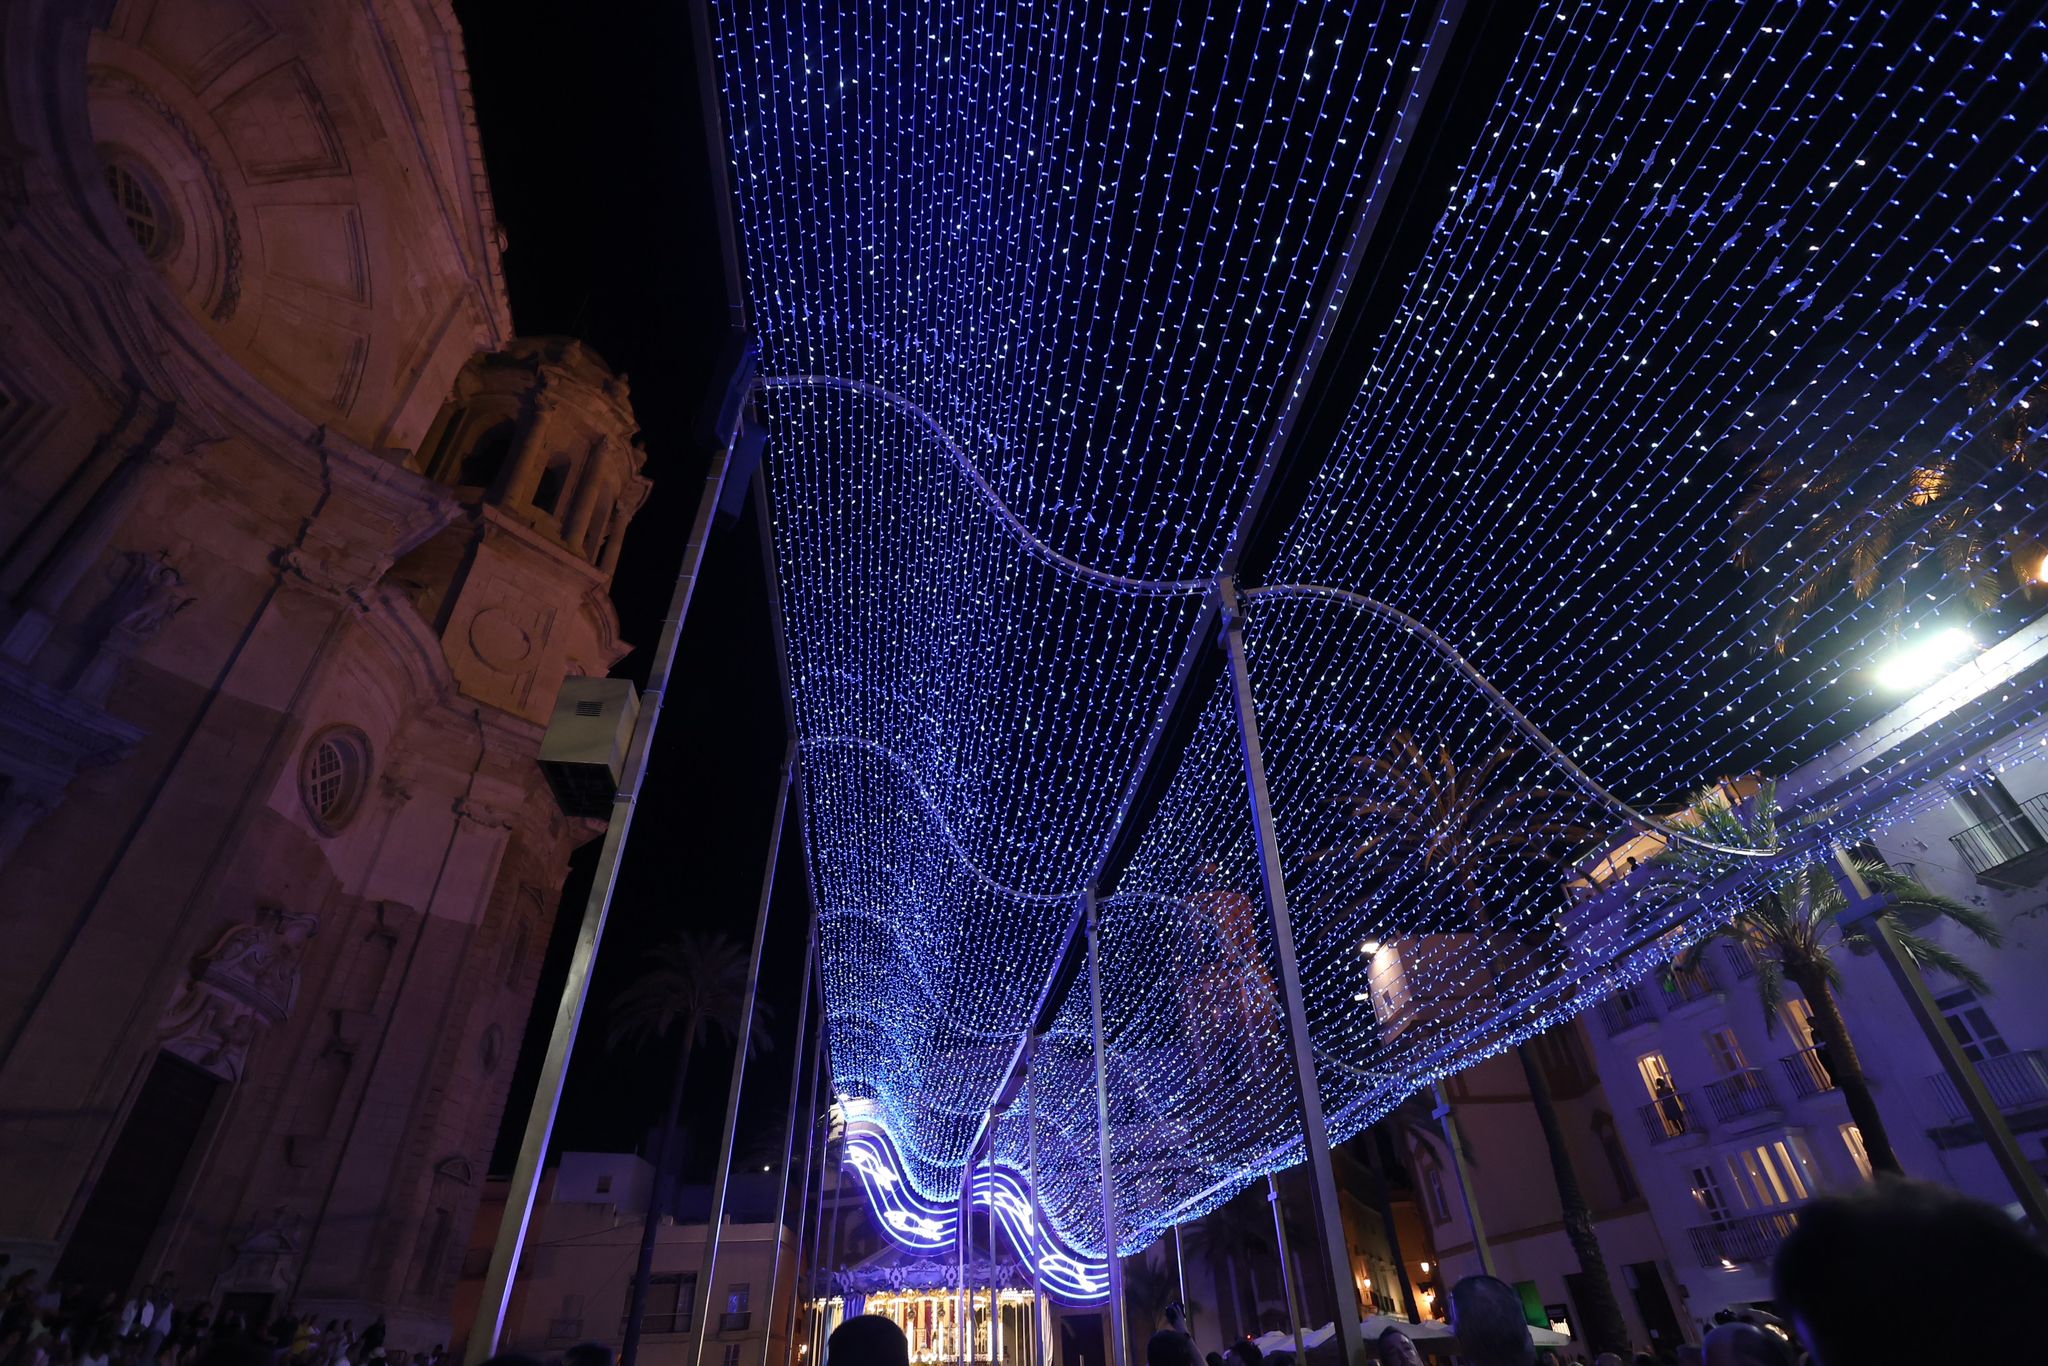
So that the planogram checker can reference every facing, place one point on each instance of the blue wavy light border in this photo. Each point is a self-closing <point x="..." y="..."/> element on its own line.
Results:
<point x="923" y="1227"/>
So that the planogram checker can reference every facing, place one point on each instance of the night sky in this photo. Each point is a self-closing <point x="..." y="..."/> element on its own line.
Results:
<point x="599" y="166"/>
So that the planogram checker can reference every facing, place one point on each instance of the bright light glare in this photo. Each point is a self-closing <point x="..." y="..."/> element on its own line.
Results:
<point x="1369" y="947"/>
<point x="1924" y="661"/>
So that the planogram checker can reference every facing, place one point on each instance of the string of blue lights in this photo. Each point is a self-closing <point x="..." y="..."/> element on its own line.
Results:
<point x="1722" y="380"/>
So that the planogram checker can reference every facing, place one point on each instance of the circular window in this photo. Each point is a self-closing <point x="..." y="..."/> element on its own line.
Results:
<point x="141" y="208"/>
<point x="332" y="775"/>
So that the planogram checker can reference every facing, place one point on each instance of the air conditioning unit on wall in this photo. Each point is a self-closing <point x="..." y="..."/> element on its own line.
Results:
<point x="584" y="754"/>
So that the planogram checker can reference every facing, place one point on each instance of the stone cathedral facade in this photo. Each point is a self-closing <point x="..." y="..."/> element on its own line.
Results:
<point x="297" y="543"/>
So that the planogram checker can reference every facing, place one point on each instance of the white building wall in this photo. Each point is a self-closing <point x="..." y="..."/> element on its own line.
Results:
<point x="1896" y="1055"/>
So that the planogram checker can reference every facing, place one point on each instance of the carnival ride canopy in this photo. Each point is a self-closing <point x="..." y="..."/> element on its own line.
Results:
<point x="1717" y="376"/>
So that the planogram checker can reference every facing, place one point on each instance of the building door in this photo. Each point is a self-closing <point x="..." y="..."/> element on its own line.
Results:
<point x="127" y="1202"/>
<point x="1653" y="1306"/>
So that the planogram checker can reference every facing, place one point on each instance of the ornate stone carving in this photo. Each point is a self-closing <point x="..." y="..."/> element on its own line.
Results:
<point x="266" y="1254"/>
<point x="242" y="986"/>
<point x="148" y="592"/>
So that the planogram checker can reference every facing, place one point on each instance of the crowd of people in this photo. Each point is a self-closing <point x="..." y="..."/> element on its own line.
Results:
<point x="44" y="1322"/>
<point x="1843" y="1279"/>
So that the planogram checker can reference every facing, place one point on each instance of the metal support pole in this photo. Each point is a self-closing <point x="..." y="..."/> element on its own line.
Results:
<point x="813" y="1155"/>
<point x="1442" y="1115"/>
<point x="796" y="1078"/>
<point x="995" y="1299"/>
<point x="1040" y="1330"/>
<point x="963" y="1302"/>
<point x="721" y="1177"/>
<point x="1180" y="1273"/>
<point x="1961" y="1072"/>
<point x="489" y="1327"/>
<point x="838" y="1171"/>
<point x="1119" y="1352"/>
<point x="1287" y="1286"/>
<point x="1322" y="1176"/>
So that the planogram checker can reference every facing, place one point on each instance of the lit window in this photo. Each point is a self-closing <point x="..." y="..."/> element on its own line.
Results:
<point x="736" y="1296"/>
<point x="1852" y="1139"/>
<point x="1799" y="1018"/>
<point x="1706" y="1190"/>
<point x="1726" y="1051"/>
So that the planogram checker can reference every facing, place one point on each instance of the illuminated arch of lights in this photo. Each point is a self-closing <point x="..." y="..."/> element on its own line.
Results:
<point x="1723" y="374"/>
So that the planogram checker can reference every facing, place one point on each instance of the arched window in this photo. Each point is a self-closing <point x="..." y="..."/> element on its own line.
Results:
<point x="486" y="459"/>
<point x="142" y="208"/>
<point x="553" y="480"/>
<point x="334" y="771"/>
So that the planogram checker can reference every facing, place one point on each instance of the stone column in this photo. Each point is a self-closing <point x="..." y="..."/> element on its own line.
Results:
<point x="615" y="536"/>
<point x="80" y="547"/>
<point x="596" y="471"/>
<point x="530" y="453"/>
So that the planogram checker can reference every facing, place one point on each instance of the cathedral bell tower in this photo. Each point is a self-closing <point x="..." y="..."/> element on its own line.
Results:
<point x="540" y="444"/>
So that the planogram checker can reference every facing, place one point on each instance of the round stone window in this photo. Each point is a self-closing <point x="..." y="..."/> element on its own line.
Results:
<point x="142" y="209"/>
<point x="333" y="773"/>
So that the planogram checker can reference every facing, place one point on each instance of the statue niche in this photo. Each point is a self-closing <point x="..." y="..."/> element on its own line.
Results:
<point x="242" y="986"/>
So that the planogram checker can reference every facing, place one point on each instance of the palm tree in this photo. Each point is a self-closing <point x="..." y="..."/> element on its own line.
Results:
<point x="1230" y="1239"/>
<point x="1150" y="1284"/>
<point x="1466" y="826"/>
<point x="1867" y="513"/>
<point x="1790" y="927"/>
<point x="694" y="984"/>
<point x="1459" y="825"/>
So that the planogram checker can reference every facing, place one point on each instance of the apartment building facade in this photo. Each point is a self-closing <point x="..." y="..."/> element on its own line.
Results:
<point x="1731" y="1112"/>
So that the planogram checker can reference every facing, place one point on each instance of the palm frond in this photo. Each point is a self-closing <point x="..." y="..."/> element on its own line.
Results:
<point x="1770" y="992"/>
<point x="1929" y="954"/>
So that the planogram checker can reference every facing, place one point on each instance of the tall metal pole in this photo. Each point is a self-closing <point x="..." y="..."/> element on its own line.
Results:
<point x="796" y="1077"/>
<point x="1287" y="1286"/>
<point x="838" y="1173"/>
<point x="1040" y="1330"/>
<point x="995" y="1299"/>
<point x="963" y="1302"/>
<point x="1866" y="909"/>
<point x="1180" y="1272"/>
<point x="1322" y="1177"/>
<point x="1119" y="1354"/>
<point x="721" y="1177"/>
<point x="489" y="1327"/>
<point x="1442" y="1115"/>
<point x="813" y="1155"/>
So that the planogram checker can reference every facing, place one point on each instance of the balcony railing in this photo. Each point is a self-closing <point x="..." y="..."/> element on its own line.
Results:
<point x="1741" y="961"/>
<point x="1684" y="985"/>
<point x="1743" y="1240"/>
<point x="735" y="1323"/>
<point x="2016" y="1081"/>
<point x="1671" y="1116"/>
<point x="1806" y="1074"/>
<point x="1739" y="1094"/>
<point x="1625" y="1010"/>
<point x="2013" y="842"/>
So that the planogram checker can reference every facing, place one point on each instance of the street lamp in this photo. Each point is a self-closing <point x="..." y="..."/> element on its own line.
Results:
<point x="1922" y="662"/>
